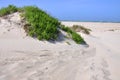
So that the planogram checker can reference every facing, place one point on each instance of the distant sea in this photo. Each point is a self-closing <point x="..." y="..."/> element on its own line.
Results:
<point x="91" y="21"/>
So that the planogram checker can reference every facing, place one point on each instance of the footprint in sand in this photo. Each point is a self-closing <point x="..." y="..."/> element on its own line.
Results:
<point x="100" y="72"/>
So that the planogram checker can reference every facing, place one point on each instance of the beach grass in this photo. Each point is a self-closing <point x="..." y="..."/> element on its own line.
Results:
<point x="41" y="25"/>
<point x="8" y="10"/>
<point x="79" y="28"/>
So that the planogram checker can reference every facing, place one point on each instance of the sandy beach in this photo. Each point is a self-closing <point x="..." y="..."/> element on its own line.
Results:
<point x="26" y="58"/>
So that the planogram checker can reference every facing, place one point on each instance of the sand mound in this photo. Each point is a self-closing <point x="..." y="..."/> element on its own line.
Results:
<point x="11" y="27"/>
<point x="25" y="58"/>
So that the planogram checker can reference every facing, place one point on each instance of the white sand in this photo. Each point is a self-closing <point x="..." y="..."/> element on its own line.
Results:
<point x="25" y="58"/>
<point x="105" y="38"/>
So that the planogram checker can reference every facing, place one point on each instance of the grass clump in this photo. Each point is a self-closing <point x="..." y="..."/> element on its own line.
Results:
<point x="39" y="24"/>
<point x="111" y="30"/>
<point x="79" y="28"/>
<point x="42" y="25"/>
<point x="68" y="43"/>
<point x="8" y="10"/>
<point x="76" y="37"/>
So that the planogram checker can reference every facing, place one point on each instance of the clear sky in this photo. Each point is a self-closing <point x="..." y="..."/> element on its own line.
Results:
<point x="81" y="10"/>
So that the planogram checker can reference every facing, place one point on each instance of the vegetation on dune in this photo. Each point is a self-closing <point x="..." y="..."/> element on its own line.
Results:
<point x="76" y="37"/>
<point x="79" y="28"/>
<point x="8" y="10"/>
<point x="41" y="25"/>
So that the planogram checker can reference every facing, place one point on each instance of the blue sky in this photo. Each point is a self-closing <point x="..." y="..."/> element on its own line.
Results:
<point x="80" y="10"/>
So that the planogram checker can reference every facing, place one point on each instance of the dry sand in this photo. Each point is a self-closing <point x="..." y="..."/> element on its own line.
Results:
<point x="25" y="58"/>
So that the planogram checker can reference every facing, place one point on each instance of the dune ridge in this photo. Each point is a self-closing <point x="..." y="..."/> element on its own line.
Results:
<point x="26" y="58"/>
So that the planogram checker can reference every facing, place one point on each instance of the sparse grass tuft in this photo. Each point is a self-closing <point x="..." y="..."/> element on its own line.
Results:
<point x="68" y="43"/>
<point x="8" y="10"/>
<point x="111" y="30"/>
<point x="76" y="37"/>
<point x="79" y="28"/>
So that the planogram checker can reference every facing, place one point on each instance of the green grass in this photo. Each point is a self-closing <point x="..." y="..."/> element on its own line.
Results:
<point x="42" y="25"/>
<point x="68" y="43"/>
<point x="75" y="36"/>
<point x="80" y="28"/>
<point x="8" y="10"/>
<point x="39" y="24"/>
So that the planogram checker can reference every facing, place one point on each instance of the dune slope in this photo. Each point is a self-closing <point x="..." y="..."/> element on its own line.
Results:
<point x="26" y="58"/>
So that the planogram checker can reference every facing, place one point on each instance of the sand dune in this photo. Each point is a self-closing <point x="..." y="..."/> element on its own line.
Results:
<point x="25" y="58"/>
